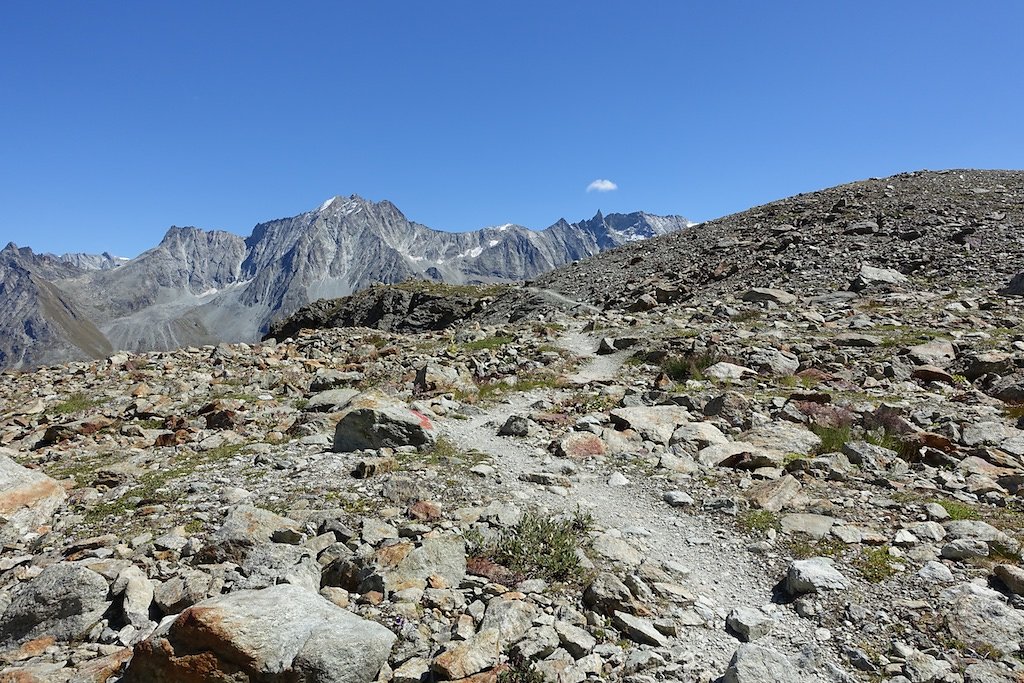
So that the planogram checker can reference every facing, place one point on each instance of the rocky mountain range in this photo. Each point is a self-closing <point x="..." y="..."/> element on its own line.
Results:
<point x="784" y="447"/>
<point x="199" y="287"/>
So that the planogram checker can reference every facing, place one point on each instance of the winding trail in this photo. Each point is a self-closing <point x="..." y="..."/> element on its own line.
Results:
<point x="722" y="573"/>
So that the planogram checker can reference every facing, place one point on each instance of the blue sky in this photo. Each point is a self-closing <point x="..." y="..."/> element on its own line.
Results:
<point x="119" y="120"/>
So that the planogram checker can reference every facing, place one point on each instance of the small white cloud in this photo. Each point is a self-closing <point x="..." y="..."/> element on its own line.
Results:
<point x="602" y="185"/>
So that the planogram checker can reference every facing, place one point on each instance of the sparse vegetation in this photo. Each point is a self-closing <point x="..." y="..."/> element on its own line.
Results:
<point x="803" y="547"/>
<point x="520" y="670"/>
<point x="690" y="366"/>
<point x="748" y="315"/>
<point x="757" y="520"/>
<point x="491" y="390"/>
<point x="76" y="403"/>
<point x="540" y="547"/>
<point x="495" y="342"/>
<point x="151" y="488"/>
<point x="885" y="439"/>
<point x="875" y="564"/>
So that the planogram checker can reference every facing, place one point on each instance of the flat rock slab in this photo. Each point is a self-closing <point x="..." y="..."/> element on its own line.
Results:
<point x="654" y="423"/>
<point x="815" y="526"/>
<point x="980" y="617"/>
<point x="280" y="633"/>
<point x="782" y="438"/>
<point x="331" y="400"/>
<point x="774" y="495"/>
<point x="767" y="294"/>
<point x="748" y="623"/>
<point x="639" y="630"/>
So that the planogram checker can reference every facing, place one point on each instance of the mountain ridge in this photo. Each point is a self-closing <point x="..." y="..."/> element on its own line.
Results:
<point x="201" y="286"/>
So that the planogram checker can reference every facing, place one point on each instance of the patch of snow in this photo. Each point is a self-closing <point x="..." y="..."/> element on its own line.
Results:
<point x="492" y="243"/>
<point x="209" y="292"/>
<point x="471" y="253"/>
<point x="327" y="203"/>
<point x="417" y="258"/>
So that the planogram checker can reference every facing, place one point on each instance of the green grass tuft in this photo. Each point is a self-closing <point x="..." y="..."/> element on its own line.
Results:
<point x="832" y="438"/>
<point x="758" y="520"/>
<point x="488" y="343"/>
<point x="958" y="510"/>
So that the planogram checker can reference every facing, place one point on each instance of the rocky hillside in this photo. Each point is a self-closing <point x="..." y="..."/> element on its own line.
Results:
<point x="200" y="286"/>
<point x="757" y="484"/>
<point x="943" y="229"/>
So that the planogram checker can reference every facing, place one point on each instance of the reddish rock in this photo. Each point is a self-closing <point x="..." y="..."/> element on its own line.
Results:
<point x="581" y="446"/>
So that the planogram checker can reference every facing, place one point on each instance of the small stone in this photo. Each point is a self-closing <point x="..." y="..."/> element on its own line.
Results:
<point x="618" y="479"/>
<point x="935" y="572"/>
<point x="677" y="498"/>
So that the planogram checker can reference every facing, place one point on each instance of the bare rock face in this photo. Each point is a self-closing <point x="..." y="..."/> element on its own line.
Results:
<point x="28" y="498"/>
<point x="281" y="633"/>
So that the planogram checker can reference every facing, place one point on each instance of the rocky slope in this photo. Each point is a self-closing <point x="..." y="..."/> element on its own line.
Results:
<point x="758" y="484"/>
<point x="945" y="229"/>
<point x="39" y="322"/>
<point x="200" y="287"/>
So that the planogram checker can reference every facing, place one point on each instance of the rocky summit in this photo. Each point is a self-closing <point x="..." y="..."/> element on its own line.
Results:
<point x="783" y="446"/>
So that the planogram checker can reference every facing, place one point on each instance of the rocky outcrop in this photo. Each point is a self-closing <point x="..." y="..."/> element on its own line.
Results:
<point x="412" y="307"/>
<point x="869" y="233"/>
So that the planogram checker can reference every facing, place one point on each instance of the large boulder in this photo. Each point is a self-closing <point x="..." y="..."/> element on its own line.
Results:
<point x="441" y="556"/>
<point x="28" y="498"/>
<point x="654" y="423"/>
<point x="65" y="601"/>
<point x="757" y="664"/>
<point x="282" y="633"/>
<point x="869" y="275"/>
<point x="980" y="617"/>
<point x="374" y="420"/>
<point x="782" y="438"/>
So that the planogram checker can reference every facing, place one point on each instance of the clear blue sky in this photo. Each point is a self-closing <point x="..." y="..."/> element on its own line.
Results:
<point x="121" y="119"/>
